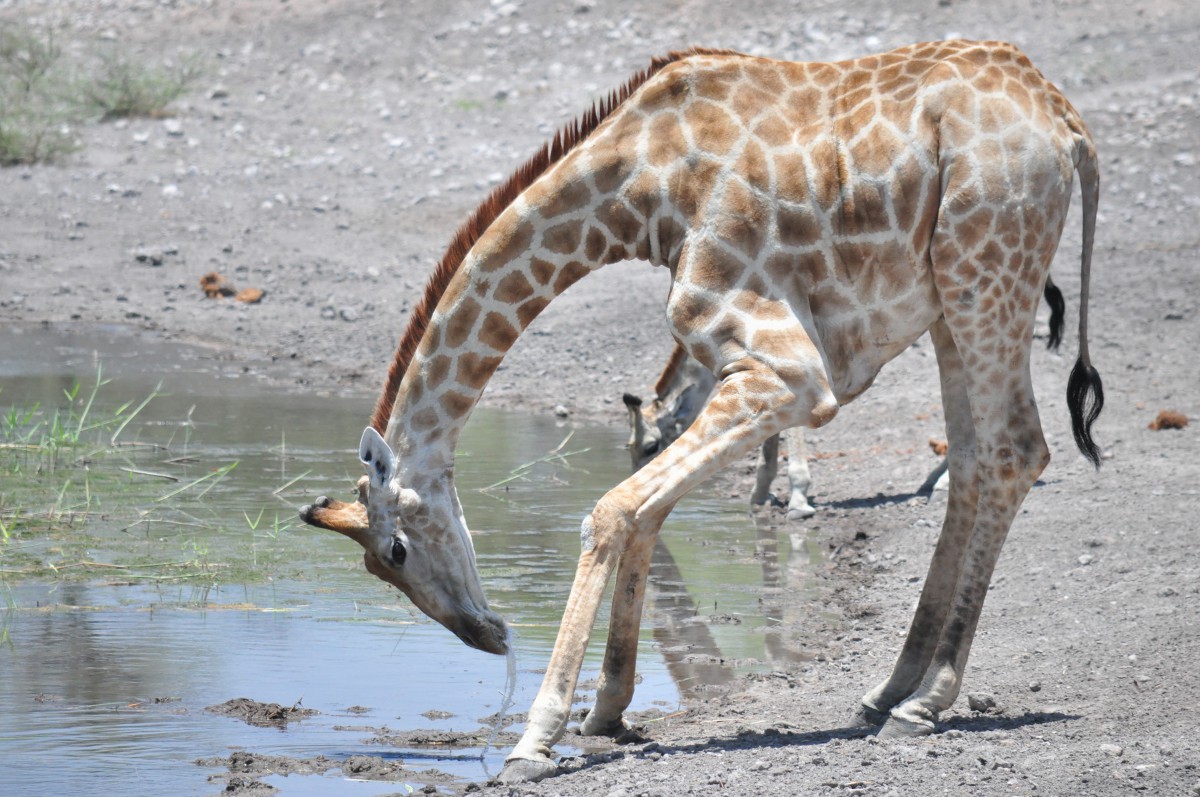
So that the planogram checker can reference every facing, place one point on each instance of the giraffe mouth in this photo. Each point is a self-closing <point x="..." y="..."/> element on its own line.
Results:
<point x="484" y="631"/>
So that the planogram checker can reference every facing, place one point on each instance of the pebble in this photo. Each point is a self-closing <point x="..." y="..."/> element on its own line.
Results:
<point x="1036" y="686"/>
<point x="981" y="702"/>
<point x="149" y="256"/>
<point x="1114" y="750"/>
<point x="561" y="412"/>
<point x="1086" y="559"/>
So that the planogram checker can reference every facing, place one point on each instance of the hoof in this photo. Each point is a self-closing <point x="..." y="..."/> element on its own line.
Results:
<point x="867" y="717"/>
<point x="614" y="729"/>
<point x="802" y="512"/>
<point x="900" y="728"/>
<point x="526" y="770"/>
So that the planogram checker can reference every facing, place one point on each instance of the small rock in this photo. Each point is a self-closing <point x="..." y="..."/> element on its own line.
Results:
<point x="981" y="702"/>
<point x="151" y="257"/>
<point x="1036" y="686"/>
<point x="328" y="313"/>
<point x="173" y="127"/>
<point x="170" y="190"/>
<point x="561" y="412"/>
<point x="348" y="314"/>
<point x="1086" y="559"/>
<point x="1114" y="750"/>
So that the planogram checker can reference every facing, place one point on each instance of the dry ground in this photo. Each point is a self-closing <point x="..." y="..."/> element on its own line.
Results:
<point x="332" y="148"/>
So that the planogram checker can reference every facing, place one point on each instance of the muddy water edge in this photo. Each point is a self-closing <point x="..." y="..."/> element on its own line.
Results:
<point x="153" y="570"/>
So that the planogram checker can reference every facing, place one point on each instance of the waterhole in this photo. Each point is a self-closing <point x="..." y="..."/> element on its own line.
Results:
<point x="152" y="566"/>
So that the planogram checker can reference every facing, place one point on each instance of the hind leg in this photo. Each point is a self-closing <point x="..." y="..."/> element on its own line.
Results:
<point x="1011" y="454"/>
<point x="947" y="562"/>
<point x="984" y="359"/>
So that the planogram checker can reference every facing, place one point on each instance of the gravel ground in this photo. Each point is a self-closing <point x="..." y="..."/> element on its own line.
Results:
<point x="331" y="149"/>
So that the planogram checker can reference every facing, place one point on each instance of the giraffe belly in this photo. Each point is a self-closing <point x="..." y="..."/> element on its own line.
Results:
<point x="858" y="342"/>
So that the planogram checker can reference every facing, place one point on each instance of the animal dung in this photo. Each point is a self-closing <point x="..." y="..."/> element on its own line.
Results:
<point x="215" y="286"/>
<point x="1168" y="419"/>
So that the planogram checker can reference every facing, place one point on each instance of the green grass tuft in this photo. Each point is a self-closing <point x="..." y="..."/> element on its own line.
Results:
<point x="45" y="100"/>
<point x="123" y="88"/>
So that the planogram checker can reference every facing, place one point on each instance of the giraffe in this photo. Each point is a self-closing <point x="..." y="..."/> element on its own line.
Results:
<point x="816" y="219"/>
<point x="684" y="385"/>
<point x="679" y="395"/>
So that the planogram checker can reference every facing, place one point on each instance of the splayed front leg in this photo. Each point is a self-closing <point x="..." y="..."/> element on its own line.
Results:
<point x="603" y="535"/>
<point x="615" y="690"/>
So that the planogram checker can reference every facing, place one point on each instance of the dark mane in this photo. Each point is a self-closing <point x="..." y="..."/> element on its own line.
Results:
<point x="487" y="212"/>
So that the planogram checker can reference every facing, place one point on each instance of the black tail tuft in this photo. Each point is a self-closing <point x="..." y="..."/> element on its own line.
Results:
<point x="631" y="400"/>
<point x="1058" y="311"/>
<point x="1085" y="398"/>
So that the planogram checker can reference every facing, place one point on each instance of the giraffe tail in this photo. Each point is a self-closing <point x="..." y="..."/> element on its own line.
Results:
<point x="1085" y="393"/>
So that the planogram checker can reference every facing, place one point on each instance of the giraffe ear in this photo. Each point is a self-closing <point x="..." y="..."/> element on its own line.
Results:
<point x="377" y="456"/>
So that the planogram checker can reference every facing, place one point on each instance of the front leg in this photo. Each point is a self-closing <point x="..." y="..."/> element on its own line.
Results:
<point x="603" y="534"/>
<point x="615" y="690"/>
<point x="799" y="479"/>
<point x="768" y="466"/>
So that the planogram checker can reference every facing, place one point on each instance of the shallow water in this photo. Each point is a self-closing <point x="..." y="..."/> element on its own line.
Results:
<point x="196" y="599"/>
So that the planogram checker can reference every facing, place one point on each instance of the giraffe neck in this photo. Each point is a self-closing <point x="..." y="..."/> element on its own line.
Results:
<point x="680" y="373"/>
<point x="551" y="236"/>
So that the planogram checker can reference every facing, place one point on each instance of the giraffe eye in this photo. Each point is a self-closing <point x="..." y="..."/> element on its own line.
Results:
<point x="399" y="552"/>
<point x="650" y="448"/>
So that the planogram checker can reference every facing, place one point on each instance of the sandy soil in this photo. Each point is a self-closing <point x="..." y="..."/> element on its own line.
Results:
<point x="333" y="147"/>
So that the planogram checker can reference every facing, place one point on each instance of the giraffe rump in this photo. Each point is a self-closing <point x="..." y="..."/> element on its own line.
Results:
<point x="496" y="202"/>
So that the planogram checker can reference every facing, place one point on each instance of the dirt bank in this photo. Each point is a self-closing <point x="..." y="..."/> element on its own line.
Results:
<point x="333" y="147"/>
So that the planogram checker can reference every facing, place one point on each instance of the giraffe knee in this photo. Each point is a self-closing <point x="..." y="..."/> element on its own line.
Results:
<point x="609" y="525"/>
<point x="813" y="408"/>
<point x="823" y="412"/>
<point x="1022" y="461"/>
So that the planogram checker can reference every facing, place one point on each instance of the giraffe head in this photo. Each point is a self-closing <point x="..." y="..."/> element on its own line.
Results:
<point x="415" y="537"/>
<point x="654" y="426"/>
